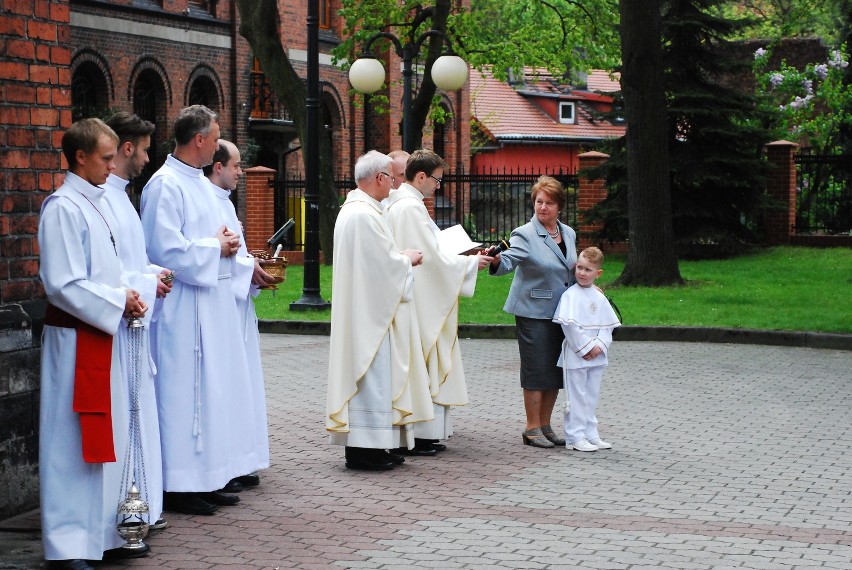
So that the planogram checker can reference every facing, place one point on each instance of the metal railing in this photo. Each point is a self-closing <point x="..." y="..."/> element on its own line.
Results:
<point x="264" y="102"/>
<point x="489" y="205"/>
<point x="824" y="194"/>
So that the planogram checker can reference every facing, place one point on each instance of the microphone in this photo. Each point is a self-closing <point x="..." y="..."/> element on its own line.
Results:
<point x="279" y="235"/>
<point x="502" y="246"/>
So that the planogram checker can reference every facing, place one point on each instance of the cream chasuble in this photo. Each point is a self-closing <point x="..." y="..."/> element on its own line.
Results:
<point x="438" y="283"/>
<point x="373" y="330"/>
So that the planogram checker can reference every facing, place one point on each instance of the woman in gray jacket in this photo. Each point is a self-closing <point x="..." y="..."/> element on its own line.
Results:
<point x="542" y="253"/>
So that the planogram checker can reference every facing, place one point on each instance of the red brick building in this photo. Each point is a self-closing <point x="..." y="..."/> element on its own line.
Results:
<point x="66" y="59"/>
<point x="539" y="123"/>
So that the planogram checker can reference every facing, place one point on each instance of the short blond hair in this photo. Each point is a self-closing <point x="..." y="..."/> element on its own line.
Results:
<point x="593" y="255"/>
<point x="552" y="188"/>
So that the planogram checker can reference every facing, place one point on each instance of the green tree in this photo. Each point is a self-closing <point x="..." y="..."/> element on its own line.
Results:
<point x="260" y="26"/>
<point x="845" y="135"/>
<point x="556" y="34"/>
<point x="713" y="134"/>
<point x="563" y="36"/>
<point x="775" y="19"/>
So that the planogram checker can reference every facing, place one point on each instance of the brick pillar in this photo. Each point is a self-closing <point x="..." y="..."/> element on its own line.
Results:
<point x="589" y="193"/>
<point x="260" y="207"/>
<point x="780" y="218"/>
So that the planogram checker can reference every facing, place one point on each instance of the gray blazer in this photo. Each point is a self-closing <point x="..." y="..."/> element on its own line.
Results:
<point x="542" y="274"/>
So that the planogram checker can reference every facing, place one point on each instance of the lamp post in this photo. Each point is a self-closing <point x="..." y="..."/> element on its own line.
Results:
<point x="311" y="298"/>
<point x="367" y="75"/>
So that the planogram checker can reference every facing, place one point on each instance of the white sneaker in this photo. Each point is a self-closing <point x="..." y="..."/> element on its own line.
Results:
<point x="584" y="445"/>
<point x="600" y="444"/>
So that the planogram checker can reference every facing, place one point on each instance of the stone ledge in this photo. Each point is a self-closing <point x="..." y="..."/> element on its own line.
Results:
<point x="807" y="339"/>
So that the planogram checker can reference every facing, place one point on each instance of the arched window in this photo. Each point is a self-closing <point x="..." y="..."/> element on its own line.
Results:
<point x="203" y="91"/>
<point x="150" y="103"/>
<point x="89" y="91"/>
<point x="332" y="120"/>
<point x="439" y="135"/>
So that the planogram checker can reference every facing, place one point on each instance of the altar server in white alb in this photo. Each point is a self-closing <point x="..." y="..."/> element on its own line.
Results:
<point x="204" y="395"/>
<point x="134" y="140"/>
<point x="248" y="276"/>
<point x="375" y="389"/>
<point x="587" y="320"/>
<point x="84" y="405"/>
<point x="443" y="277"/>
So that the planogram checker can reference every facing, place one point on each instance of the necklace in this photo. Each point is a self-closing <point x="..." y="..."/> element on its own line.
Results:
<point x="553" y="234"/>
<point x="109" y="229"/>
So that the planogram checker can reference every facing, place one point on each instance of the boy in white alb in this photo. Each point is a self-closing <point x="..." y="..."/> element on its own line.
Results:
<point x="587" y="320"/>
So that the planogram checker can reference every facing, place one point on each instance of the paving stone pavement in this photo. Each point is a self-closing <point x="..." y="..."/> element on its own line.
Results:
<point x="725" y="456"/>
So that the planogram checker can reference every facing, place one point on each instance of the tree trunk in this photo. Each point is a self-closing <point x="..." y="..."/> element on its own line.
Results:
<point x="422" y="103"/>
<point x="259" y="26"/>
<point x="651" y="258"/>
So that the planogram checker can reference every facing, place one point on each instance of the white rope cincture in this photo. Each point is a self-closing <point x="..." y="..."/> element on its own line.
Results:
<point x="196" y="421"/>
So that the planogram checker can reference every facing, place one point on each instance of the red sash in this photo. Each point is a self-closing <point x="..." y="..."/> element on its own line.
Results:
<point x="92" y="398"/>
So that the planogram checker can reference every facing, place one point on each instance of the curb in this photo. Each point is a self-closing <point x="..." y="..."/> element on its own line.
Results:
<point x="805" y="339"/>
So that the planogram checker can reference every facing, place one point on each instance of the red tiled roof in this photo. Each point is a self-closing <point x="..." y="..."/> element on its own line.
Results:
<point x="508" y="114"/>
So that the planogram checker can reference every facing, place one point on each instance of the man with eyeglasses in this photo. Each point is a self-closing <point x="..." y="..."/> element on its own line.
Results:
<point x="438" y="283"/>
<point x="377" y="382"/>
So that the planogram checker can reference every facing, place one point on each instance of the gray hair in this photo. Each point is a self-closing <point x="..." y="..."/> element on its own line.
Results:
<point x="370" y="164"/>
<point x="193" y="120"/>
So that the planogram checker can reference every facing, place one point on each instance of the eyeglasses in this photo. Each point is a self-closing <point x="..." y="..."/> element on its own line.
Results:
<point x="436" y="179"/>
<point x="388" y="175"/>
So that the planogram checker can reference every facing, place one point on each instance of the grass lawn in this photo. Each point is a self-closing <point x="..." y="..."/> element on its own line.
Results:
<point x="781" y="288"/>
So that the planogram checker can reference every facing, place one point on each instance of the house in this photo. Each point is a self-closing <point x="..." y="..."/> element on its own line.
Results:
<point x="538" y="122"/>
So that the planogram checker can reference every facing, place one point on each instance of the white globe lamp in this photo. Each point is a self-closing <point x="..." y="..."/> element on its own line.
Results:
<point x="449" y="72"/>
<point x="367" y="75"/>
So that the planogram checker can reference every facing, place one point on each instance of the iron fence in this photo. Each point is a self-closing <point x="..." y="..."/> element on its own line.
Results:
<point x="824" y="194"/>
<point x="489" y="205"/>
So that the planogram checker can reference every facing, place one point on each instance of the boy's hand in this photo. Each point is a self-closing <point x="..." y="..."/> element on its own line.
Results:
<point x="592" y="354"/>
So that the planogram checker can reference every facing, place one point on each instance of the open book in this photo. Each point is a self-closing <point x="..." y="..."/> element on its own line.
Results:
<point x="455" y="240"/>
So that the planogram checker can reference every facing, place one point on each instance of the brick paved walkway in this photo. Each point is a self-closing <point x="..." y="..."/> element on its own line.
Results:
<point x="725" y="456"/>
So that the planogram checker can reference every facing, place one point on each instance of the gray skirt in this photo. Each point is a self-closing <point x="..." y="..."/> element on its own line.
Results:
<point x="539" y="344"/>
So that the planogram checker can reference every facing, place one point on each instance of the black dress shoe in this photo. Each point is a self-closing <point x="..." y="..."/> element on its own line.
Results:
<point x="368" y="465"/>
<point x="233" y="486"/>
<point x="393" y="458"/>
<point x="363" y="459"/>
<point x="429" y="444"/>
<point x="187" y="503"/>
<point x="122" y="553"/>
<point x="70" y="564"/>
<point x="415" y="452"/>
<point x="217" y="498"/>
<point x="250" y="480"/>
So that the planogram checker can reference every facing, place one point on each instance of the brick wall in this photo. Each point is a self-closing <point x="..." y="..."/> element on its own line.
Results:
<point x="35" y="89"/>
